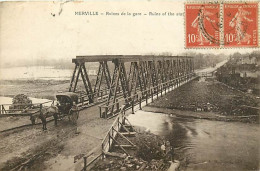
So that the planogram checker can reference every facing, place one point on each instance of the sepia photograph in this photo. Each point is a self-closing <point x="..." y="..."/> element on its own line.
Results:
<point x="127" y="85"/>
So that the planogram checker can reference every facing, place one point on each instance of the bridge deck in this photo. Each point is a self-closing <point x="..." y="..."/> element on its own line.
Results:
<point x="125" y="58"/>
<point x="93" y="132"/>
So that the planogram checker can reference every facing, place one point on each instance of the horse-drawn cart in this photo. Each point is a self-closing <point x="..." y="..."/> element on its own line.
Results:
<point x="66" y="105"/>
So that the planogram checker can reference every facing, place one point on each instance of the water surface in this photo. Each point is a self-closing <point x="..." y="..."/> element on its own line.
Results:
<point x="35" y="72"/>
<point x="205" y="144"/>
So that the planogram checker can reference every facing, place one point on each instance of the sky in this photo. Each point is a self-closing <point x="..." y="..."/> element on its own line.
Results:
<point x="29" y="30"/>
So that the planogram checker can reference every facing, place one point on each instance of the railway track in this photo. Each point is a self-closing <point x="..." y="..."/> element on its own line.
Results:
<point x="22" y="127"/>
<point x="82" y="106"/>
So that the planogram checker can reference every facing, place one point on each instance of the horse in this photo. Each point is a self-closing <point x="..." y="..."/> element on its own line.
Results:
<point x="45" y="113"/>
<point x="48" y="112"/>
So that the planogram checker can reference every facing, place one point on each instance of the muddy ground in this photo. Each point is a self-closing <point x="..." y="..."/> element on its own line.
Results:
<point x="33" y="149"/>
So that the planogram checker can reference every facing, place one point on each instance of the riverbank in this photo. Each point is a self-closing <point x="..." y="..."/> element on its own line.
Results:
<point x="201" y="115"/>
<point x="146" y="156"/>
<point x="209" y="99"/>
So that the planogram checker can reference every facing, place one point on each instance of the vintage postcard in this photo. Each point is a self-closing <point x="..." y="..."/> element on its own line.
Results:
<point x="129" y="85"/>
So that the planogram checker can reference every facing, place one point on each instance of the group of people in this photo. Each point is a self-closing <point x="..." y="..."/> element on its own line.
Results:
<point x="168" y="150"/>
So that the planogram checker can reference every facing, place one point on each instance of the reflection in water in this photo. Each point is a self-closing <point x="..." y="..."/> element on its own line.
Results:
<point x="205" y="144"/>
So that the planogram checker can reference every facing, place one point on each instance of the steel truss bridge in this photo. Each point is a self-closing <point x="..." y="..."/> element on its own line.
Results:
<point x="128" y="79"/>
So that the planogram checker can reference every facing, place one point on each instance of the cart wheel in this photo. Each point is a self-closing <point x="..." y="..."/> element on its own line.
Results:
<point x="74" y="115"/>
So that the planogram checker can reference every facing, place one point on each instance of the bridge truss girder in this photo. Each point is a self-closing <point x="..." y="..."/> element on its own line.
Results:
<point x="134" y="78"/>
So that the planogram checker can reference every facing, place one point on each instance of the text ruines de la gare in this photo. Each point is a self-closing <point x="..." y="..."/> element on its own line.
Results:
<point x="134" y="14"/>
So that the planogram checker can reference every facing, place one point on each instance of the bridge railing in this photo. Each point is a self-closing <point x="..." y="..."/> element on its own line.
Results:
<point x="84" y="98"/>
<point x="107" y="141"/>
<point x="99" y="97"/>
<point x="111" y="110"/>
<point x="23" y="110"/>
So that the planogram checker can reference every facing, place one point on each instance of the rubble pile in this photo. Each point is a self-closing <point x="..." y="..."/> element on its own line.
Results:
<point x="20" y="101"/>
<point x="129" y="163"/>
<point x="148" y="147"/>
<point x="148" y="156"/>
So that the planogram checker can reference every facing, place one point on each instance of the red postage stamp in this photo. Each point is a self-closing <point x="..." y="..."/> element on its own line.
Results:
<point x="240" y="25"/>
<point x="202" y="25"/>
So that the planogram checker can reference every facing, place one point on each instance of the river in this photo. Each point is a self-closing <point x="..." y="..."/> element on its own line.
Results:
<point x="35" y="72"/>
<point x="42" y="72"/>
<point x="206" y="144"/>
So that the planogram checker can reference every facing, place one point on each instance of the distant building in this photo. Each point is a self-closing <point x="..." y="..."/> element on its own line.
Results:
<point x="248" y="60"/>
<point x="248" y="74"/>
<point x="92" y="68"/>
<point x="92" y="72"/>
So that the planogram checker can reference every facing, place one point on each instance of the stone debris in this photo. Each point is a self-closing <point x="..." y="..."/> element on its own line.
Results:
<point x="148" y="156"/>
<point x="20" y="101"/>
